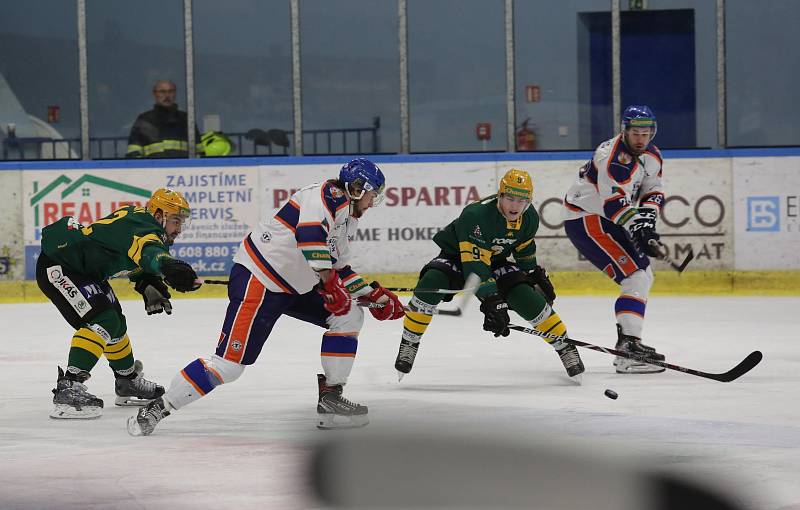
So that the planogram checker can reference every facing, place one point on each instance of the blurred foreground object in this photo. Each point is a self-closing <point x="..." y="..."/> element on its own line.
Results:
<point x="408" y="470"/>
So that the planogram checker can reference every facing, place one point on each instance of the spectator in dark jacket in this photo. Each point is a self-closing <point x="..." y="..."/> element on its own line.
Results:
<point x="161" y="132"/>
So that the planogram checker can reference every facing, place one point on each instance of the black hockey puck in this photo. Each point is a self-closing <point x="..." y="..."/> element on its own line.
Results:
<point x="611" y="394"/>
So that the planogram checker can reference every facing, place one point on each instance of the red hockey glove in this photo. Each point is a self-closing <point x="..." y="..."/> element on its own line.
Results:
<point x="335" y="297"/>
<point x="392" y="307"/>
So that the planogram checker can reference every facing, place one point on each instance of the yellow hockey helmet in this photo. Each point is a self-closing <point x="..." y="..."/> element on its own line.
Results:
<point x="170" y="202"/>
<point x="516" y="183"/>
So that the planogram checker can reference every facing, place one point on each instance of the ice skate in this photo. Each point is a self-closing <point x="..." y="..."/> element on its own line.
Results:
<point x="405" y="357"/>
<point x="634" y="345"/>
<point x="71" y="399"/>
<point x="148" y="417"/>
<point x="136" y="390"/>
<point x="336" y="412"/>
<point x="571" y="359"/>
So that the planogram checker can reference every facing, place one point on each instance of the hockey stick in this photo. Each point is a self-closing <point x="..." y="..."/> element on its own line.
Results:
<point x="663" y="254"/>
<point x="393" y="289"/>
<point x="429" y="291"/>
<point x="471" y="285"/>
<point x="747" y="364"/>
<point x="468" y="293"/>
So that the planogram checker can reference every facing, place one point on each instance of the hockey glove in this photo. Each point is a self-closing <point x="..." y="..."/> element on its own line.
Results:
<point x="155" y="294"/>
<point x="541" y="280"/>
<point x="495" y="315"/>
<point x="392" y="307"/>
<point x="179" y="275"/>
<point x="335" y="297"/>
<point x="642" y="229"/>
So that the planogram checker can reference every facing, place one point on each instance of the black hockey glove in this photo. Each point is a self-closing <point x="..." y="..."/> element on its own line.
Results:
<point x="495" y="315"/>
<point x="541" y="280"/>
<point x="179" y="275"/>
<point x="155" y="294"/>
<point x="643" y="233"/>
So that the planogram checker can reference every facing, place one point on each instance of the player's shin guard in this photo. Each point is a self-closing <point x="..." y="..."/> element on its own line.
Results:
<point x="337" y="354"/>
<point x="549" y="323"/>
<point x="418" y="317"/>
<point x="119" y="354"/>
<point x="85" y="349"/>
<point x="199" y="378"/>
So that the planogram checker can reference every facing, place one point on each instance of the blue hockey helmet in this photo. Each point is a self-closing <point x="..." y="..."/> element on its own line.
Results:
<point x="639" y="116"/>
<point x="362" y="175"/>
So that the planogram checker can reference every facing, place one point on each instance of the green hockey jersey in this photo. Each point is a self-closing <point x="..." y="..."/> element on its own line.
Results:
<point x="482" y="238"/>
<point x="127" y="241"/>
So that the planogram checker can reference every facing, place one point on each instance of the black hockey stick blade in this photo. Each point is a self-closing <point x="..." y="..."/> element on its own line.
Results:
<point x="680" y="267"/>
<point x="747" y="364"/>
<point x="216" y="282"/>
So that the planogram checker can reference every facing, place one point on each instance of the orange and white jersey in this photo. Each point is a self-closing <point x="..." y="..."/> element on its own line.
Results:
<point x="614" y="183"/>
<point x="311" y="232"/>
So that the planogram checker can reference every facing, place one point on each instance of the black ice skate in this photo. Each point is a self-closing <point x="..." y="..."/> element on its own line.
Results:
<point x="336" y="412"/>
<point x="135" y="390"/>
<point x="145" y="421"/>
<point x="634" y="345"/>
<point x="71" y="399"/>
<point x="405" y="357"/>
<point x="571" y="359"/>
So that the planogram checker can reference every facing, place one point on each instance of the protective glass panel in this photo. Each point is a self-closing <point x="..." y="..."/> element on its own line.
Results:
<point x="39" y="90"/>
<point x="131" y="47"/>
<point x="351" y="82"/>
<point x="762" y="48"/>
<point x="243" y="74"/>
<point x="457" y="75"/>
<point x="562" y="96"/>
<point x="669" y="63"/>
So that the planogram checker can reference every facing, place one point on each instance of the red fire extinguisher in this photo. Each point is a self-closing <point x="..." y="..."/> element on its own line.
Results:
<point x="526" y="138"/>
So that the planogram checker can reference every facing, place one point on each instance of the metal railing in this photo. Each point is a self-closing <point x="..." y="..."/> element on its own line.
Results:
<point x="363" y="140"/>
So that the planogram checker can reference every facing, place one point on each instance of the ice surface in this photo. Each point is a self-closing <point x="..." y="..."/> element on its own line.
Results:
<point x="247" y="444"/>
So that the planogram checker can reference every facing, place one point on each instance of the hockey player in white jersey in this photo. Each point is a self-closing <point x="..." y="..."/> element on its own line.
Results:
<point x="610" y="214"/>
<point x="294" y="263"/>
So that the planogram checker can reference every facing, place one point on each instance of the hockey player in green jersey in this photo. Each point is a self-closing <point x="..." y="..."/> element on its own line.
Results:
<point x="480" y="241"/>
<point x="73" y="269"/>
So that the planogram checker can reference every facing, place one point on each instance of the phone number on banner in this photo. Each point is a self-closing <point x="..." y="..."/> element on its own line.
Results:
<point x="206" y="258"/>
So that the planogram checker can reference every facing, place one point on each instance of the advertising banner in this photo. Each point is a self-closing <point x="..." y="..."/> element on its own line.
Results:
<point x="696" y="214"/>
<point x="767" y="211"/>
<point x="224" y="203"/>
<point x="420" y="199"/>
<point x="12" y="265"/>
<point x="395" y="237"/>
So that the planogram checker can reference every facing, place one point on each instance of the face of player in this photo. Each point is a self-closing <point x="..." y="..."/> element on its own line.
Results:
<point x="366" y="201"/>
<point x="173" y="225"/>
<point x="512" y="207"/>
<point x="637" y="139"/>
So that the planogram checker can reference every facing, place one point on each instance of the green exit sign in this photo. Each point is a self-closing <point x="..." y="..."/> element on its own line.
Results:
<point x="637" y="5"/>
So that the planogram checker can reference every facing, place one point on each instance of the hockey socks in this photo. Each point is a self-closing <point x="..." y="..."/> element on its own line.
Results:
<point x="85" y="349"/>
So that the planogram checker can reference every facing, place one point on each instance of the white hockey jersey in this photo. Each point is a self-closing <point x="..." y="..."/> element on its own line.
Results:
<point x="614" y="183"/>
<point x="312" y="231"/>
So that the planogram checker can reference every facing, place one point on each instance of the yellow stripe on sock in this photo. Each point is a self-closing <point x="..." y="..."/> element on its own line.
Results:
<point x="119" y="350"/>
<point x="90" y="341"/>
<point x="552" y="326"/>
<point x="417" y="322"/>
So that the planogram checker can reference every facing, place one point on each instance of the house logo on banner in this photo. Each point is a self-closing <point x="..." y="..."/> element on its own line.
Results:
<point x="86" y="197"/>
<point x="763" y="214"/>
<point x="75" y="200"/>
